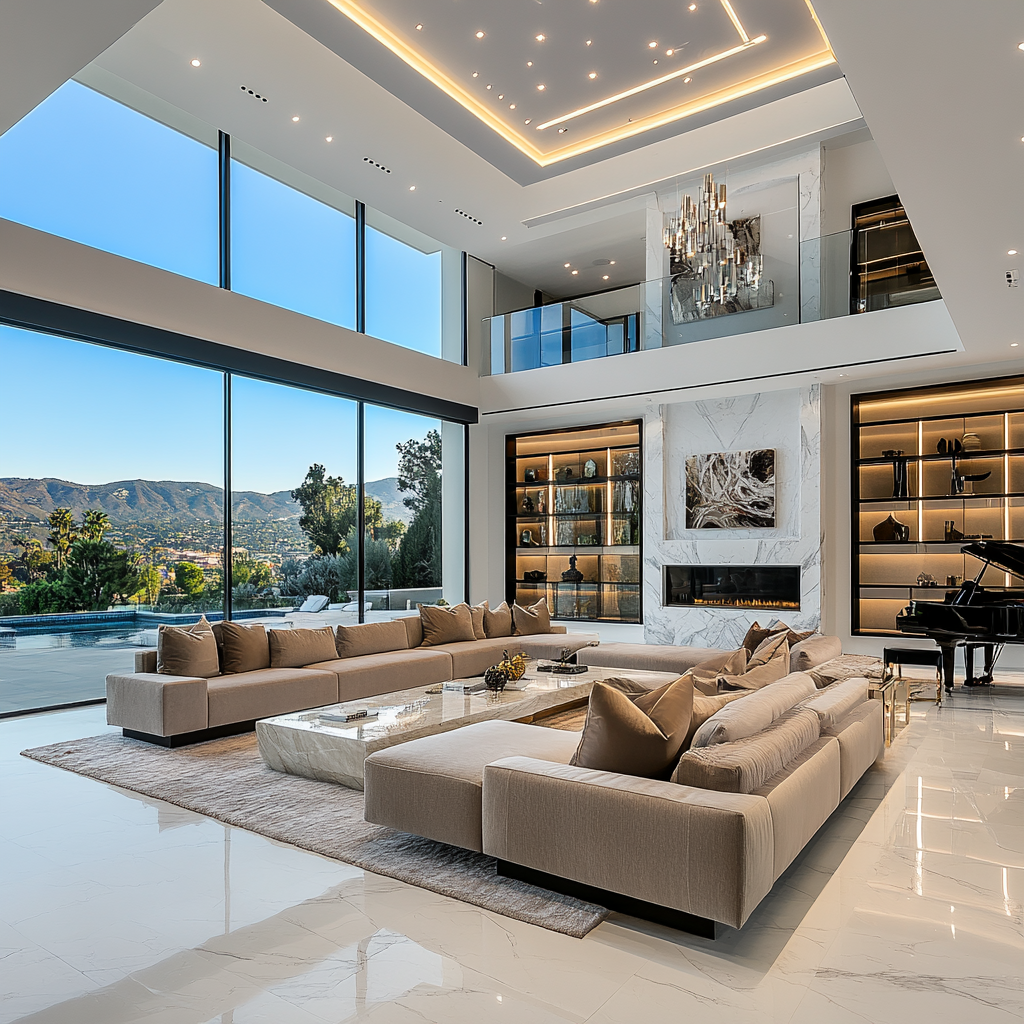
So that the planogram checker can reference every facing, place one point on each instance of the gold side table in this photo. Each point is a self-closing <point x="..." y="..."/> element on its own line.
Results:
<point x="891" y="691"/>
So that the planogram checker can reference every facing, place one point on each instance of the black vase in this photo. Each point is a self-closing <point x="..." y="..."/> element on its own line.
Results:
<point x="891" y="530"/>
<point x="899" y="477"/>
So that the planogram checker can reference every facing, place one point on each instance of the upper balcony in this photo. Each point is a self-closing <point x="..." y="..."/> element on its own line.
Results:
<point x="834" y="275"/>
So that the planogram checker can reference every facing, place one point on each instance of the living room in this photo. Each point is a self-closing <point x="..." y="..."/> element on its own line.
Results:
<point x="362" y="400"/>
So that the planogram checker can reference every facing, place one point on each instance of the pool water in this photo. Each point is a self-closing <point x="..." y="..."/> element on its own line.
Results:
<point x="36" y="638"/>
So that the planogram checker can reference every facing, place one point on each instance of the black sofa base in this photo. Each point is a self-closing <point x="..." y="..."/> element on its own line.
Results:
<point x="677" y="919"/>
<point x="184" y="739"/>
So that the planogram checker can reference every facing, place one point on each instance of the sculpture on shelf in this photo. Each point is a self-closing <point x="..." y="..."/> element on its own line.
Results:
<point x="528" y="504"/>
<point x="530" y="476"/>
<point x="590" y="469"/>
<point x="899" y="472"/>
<point x="890" y="531"/>
<point x="572" y="574"/>
<point x="535" y="576"/>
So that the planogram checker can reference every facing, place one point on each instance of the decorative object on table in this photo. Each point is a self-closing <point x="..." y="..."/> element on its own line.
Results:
<point x="572" y="574"/>
<point x="530" y="476"/>
<point x="950" y="447"/>
<point x="590" y="469"/>
<point x="926" y="579"/>
<point x="495" y="679"/>
<point x="526" y="539"/>
<point x="563" y="666"/>
<point x="535" y="576"/>
<point x="954" y="581"/>
<point x="542" y="503"/>
<point x="899" y="472"/>
<point x="971" y="442"/>
<point x="434" y="690"/>
<point x="891" y="531"/>
<point x="565" y="474"/>
<point x="958" y="479"/>
<point x="528" y="505"/>
<point x="731" y="490"/>
<point x="950" y="532"/>
<point x="585" y="540"/>
<point x="716" y="265"/>
<point x="513" y="665"/>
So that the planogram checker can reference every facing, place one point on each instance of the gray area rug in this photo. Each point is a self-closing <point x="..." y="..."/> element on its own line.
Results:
<point x="226" y="779"/>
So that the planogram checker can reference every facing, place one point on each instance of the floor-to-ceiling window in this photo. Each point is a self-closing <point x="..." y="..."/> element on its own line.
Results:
<point x="91" y="169"/>
<point x="111" y="502"/>
<point x="293" y="243"/>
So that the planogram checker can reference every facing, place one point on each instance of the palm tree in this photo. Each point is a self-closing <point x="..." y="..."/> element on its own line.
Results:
<point x="95" y="523"/>
<point x="62" y="533"/>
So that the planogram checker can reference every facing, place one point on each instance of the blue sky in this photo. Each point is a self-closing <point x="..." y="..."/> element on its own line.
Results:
<point x="87" y="168"/>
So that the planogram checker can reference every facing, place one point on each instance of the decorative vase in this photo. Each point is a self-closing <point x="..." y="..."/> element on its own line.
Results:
<point x="891" y="530"/>
<point x="590" y="469"/>
<point x="495" y="679"/>
<point x="899" y="476"/>
<point x="530" y="476"/>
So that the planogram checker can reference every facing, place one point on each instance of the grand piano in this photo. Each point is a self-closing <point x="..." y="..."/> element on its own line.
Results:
<point x="972" y="616"/>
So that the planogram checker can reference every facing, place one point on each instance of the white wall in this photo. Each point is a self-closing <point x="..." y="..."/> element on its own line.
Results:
<point x="850" y="174"/>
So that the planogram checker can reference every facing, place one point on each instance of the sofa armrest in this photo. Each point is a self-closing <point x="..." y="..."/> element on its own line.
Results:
<point x="160" y="705"/>
<point x="704" y="853"/>
<point x="145" y="661"/>
<point x="559" y="629"/>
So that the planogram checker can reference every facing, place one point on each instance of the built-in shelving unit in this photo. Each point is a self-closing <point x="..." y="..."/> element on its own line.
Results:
<point x="576" y="493"/>
<point x="986" y="417"/>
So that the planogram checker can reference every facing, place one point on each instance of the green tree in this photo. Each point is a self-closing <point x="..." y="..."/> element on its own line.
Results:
<point x="188" y="577"/>
<point x="417" y="563"/>
<point x="246" y="570"/>
<point x="95" y="523"/>
<point x="328" y="509"/>
<point x="6" y="573"/>
<point x="150" y="582"/>
<point x="62" y="533"/>
<point x="419" y="464"/>
<point x="99" y="575"/>
<point x="45" y="597"/>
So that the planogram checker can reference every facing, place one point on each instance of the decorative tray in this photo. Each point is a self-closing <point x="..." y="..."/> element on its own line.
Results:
<point x="561" y="669"/>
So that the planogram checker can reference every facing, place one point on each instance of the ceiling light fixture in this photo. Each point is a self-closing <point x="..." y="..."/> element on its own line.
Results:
<point x="504" y="237"/>
<point x="1011" y="252"/>
<point x="295" y="118"/>
<point x="575" y="272"/>
<point x="501" y="95"/>
<point x="480" y="35"/>
<point x="540" y="88"/>
<point x="653" y="44"/>
<point x="589" y="41"/>
<point x="562" y="131"/>
<point x="511" y="106"/>
<point x="412" y="188"/>
<point x="1014" y="344"/>
<point x="668" y="53"/>
<point x="1020" y="46"/>
<point x="195" y="62"/>
<point x="529" y="63"/>
<point x="692" y="7"/>
<point x="528" y="120"/>
<point x="604" y="277"/>
<point x="476" y="74"/>
<point x="611" y="263"/>
<point x="686" y="81"/>
<point x="567" y="265"/>
<point x="540" y="38"/>
<point x="330" y="138"/>
<point x="488" y="87"/>
<point x="592" y="75"/>
<point x="419" y="28"/>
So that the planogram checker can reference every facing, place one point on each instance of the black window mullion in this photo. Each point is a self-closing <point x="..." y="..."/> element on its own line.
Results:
<point x="224" y="254"/>
<point x="224" y="206"/>
<point x="361" y="267"/>
<point x="228" y="541"/>
<point x="361" y="506"/>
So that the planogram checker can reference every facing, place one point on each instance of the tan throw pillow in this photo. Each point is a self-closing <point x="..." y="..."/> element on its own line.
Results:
<point x="532" y="620"/>
<point x="478" y="611"/>
<point x="760" y="675"/>
<point x="242" y="648"/>
<point x="371" y="638"/>
<point x="704" y="707"/>
<point x="767" y="649"/>
<point x="187" y="651"/>
<point x="635" y="734"/>
<point x="443" y="625"/>
<point x="296" y="648"/>
<point x="498" y="622"/>
<point x="757" y="634"/>
<point x="814" y="651"/>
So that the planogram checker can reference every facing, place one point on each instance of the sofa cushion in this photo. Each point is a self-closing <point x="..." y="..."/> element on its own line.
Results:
<point x="741" y="719"/>
<point x="846" y="666"/>
<point x="271" y="691"/>
<point x="815" y="650"/>
<point x="242" y="648"/>
<point x="651" y="657"/>
<point x="413" y="630"/>
<point x="498" y="621"/>
<point x="551" y="645"/>
<point x="861" y="742"/>
<point x="478" y="611"/>
<point x="728" y="663"/>
<point x="187" y="650"/>
<point x="475" y="657"/>
<point x="767" y="649"/>
<point x="757" y="676"/>
<point x="295" y="648"/>
<point x="433" y="786"/>
<point x="443" y="625"/>
<point x="835" y="702"/>
<point x="535" y="619"/>
<point x="371" y="674"/>
<point x="757" y="634"/>
<point x="371" y="638"/>
<point x="635" y="734"/>
<point x="704" y="706"/>
<point x="745" y="765"/>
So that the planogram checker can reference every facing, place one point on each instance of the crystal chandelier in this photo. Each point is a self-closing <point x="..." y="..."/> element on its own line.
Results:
<point x="716" y="265"/>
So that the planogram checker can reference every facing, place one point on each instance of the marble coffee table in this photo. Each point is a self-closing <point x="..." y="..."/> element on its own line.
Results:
<point x="304" y="744"/>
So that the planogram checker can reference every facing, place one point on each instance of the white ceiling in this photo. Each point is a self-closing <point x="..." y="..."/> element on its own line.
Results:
<point x="578" y="215"/>
<point x="941" y="88"/>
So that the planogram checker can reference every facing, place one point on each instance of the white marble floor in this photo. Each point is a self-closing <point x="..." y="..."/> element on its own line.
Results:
<point x="907" y="906"/>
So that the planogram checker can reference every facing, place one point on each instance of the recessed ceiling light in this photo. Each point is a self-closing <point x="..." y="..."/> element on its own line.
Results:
<point x="575" y="272"/>
<point x="1020" y="46"/>
<point x="540" y="88"/>
<point x="567" y="265"/>
<point x="501" y="95"/>
<point x="511" y="106"/>
<point x="504" y="237"/>
<point x="528" y="120"/>
<point x="611" y="263"/>
<point x="686" y="81"/>
<point x="476" y="74"/>
<point x="668" y="53"/>
<point x="692" y="7"/>
<point x="488" y="87"/>
<point x="1014" y="344"/>
<point x="604" y="277"/>
<point x="295" y="118"/>
<point x="1011" y="252"/>
<point x="330" y="138"/>
<point x="419" y="28"/>
<point x="529" y="63"/>
<point x="589" y="41"/>
<point x="592" y="75"/>
<point x="562" y="131"/>
<point x="195" y="62"/>
<point x="653" y="44"/>
<point x="412" y="188"/>
<point x="655" y="62"/>
<point x="480" y="35"/>
<point x="540" y="38"/>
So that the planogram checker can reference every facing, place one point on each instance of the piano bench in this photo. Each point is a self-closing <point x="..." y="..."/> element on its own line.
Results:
<point x="900" y="656"/>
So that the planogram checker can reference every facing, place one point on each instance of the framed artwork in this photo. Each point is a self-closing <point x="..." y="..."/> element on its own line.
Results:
<point x="731" y="490"/>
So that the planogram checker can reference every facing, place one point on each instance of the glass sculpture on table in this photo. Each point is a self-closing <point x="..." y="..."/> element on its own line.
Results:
<point x="716" y="265"/>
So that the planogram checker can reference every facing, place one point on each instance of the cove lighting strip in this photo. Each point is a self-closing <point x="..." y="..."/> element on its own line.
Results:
<point x="420" y="63"/>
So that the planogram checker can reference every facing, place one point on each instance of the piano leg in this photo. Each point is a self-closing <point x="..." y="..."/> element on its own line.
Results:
<point x="948" y="664"/>
<point x="990" y="660"/>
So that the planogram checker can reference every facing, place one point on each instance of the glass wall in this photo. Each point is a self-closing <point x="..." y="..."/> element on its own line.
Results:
<point x="293" y="245"/>
<point x="111" y="511"/>
<point x="93" y="170"/>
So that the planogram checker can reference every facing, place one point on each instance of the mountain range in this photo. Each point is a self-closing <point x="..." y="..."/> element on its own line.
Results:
<point x="127" y="501"/>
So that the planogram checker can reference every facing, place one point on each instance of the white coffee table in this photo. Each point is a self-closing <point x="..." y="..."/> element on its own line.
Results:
<point x="304" y="744"/>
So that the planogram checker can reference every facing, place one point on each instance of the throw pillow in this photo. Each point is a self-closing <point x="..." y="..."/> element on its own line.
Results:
<point x="296" y="648"/>
<point x="532" y="620"/>
<point x="760" y="675"/>
<point x="767" y="649"/>
<point x="478" y="611"/>
<point x="242" y="648"/>
<point x="499" y="621"/>
<point x="442" y="625"/>
<point x="757" y="634"/>
<point x="814" y="651"/>
<point x="635" y="734"/>
<point x="187" y="651"/>
<point x="706" y="673"/>
<point x="371" y="638"/>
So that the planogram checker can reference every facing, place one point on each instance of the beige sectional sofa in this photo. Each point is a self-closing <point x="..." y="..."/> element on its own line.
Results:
<point x="696" y="851"/>
<point x="175" y="710"/>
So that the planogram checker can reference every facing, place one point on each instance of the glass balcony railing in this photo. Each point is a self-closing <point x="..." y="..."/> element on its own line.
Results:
<point x="817" y="280"/>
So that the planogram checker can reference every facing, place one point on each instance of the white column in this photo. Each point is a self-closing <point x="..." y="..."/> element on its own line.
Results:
<point x="656" y="270"/>
<point x="809" y="182"/>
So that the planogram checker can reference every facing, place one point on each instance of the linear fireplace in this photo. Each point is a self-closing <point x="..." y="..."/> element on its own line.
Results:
<point x="732" y="586"/>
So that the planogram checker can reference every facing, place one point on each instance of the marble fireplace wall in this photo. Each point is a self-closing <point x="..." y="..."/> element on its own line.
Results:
<point x="788" y="421"/>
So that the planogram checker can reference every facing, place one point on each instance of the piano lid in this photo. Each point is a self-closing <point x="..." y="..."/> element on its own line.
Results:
<point x="999" y="552"/>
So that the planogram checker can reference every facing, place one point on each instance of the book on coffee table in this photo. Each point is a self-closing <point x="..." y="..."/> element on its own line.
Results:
<point x="465" y="686"/>
<point x="355" y="715"/>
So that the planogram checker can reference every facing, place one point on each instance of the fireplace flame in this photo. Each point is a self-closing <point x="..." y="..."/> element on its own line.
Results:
<point x="743" y="602"/>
